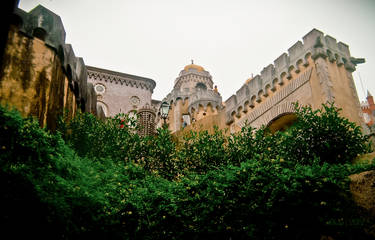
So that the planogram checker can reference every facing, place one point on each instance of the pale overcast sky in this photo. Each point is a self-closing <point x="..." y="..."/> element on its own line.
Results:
<point x="231" y="39"/>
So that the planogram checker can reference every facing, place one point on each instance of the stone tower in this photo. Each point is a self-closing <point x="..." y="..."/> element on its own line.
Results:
<point x="193" y="97"/>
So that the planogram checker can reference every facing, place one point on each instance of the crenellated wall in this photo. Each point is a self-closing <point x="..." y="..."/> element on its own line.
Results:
<point x="204" y="98"/>
<point x="40" y="75"/>
<point x="313" y="72"/>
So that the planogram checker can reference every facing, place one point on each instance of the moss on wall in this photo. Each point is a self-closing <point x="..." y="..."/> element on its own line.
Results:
<point x="40" y="97"/>
<point x="32" y="80"/>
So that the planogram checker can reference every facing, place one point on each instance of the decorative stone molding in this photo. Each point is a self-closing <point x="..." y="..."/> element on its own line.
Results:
<point x="325" y="80"/>
<point x="193" y="76"/>
<point x="354" y="93"/>
<point x="275" y="99"/>
<point x="274" y="112"/>
<point x="316" y="45"/>
<point x="121" y="78"/>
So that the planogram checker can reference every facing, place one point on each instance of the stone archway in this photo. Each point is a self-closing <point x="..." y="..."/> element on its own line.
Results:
<point x="265" y="117"/>
<point x="282" y="122"/>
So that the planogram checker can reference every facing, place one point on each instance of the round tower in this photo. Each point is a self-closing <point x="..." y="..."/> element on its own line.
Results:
<point x="193" y="76"/>
<point x="193" y="97"/>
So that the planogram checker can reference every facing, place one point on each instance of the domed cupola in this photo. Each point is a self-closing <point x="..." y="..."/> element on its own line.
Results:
<point x="190" y="76"/>
<point x="192" y="98"/>
<point x="193" y="67"/>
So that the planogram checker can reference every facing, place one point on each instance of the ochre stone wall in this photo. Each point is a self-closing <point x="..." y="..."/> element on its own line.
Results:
<point x="341" y="86"/>
<point x="317" y="81"/>
<point x="32" y="80"/>
<point x="206" y="123"/>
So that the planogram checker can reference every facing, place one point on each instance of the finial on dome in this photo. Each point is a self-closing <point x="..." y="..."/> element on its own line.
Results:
<point x="193" y="66"/>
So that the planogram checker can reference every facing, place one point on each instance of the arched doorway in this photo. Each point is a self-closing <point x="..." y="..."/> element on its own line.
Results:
<point x="282" y="122"/>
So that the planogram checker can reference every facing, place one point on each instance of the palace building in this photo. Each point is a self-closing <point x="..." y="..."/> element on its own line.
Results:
<point x="41" y="76"/>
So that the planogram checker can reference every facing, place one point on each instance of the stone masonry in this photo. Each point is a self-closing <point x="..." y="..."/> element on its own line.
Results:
<point x="42" y="76"/>
<point x="120" y="92"/>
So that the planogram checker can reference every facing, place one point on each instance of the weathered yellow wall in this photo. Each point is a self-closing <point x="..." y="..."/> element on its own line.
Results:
<point x="324" y="75"/>
<point x="342" y="87"/>
<point x="33" y="81"/>
<point x="206" y="123"/>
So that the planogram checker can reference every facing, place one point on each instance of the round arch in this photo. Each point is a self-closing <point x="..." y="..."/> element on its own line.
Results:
<point x="282" y="122"/>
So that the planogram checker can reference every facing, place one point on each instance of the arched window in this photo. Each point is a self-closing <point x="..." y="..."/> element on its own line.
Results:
<point x="186" y="120"/>
<point x="201" y="86"/>
<point x="99" y="88"/>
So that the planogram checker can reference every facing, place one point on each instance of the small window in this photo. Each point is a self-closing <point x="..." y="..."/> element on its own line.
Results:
<point x="186" y="119"/>
<point x="99" y="88"/>
<point x="135" y="100"/>
<point x="201" y="86"/>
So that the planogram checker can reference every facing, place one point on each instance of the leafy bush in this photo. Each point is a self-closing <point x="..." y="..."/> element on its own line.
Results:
<point x="201" y="151"/>
<point x="101" y="180"/>
<point x="90" y="137"/>
<point x="323" y="133"/>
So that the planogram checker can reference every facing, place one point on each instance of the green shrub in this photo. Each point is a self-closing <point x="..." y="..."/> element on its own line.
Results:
<point x="90" y="137"/>
<point x="201" y="151"/>
<point x="100" y="180"/>
<point x="323" y="134"/>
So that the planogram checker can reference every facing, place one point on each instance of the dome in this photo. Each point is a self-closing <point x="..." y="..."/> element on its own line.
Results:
<point x="193" y="66"/>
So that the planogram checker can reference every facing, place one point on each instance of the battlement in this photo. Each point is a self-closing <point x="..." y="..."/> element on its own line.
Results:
<point x="204" y="98"/>
<point x="45" y="25"/>
<point x="315" y="44"/>
<point x="41" y="18"/>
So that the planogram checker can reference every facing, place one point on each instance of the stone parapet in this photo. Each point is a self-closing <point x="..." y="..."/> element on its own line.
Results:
<point x="42" y="23"/>
<point x="315" y="45"/>
<point x="176" y="95"/>
<point x="204" y="98"/>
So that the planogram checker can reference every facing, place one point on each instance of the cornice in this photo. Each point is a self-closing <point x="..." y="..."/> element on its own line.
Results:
<point x="121" y="78"/>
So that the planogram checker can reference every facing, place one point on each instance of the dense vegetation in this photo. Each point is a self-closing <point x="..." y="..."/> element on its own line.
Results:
<point x="101" y="180"/>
